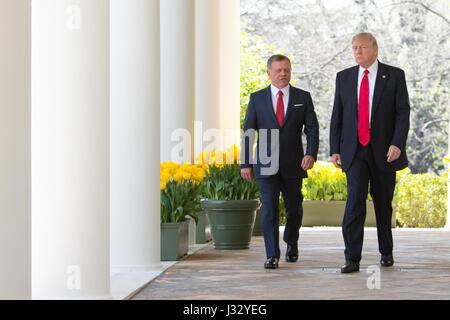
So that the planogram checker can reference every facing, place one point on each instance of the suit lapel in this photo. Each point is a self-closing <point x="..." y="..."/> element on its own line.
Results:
<point x="354" y="89"/>
<point x="290" y="104"/>
<point x="269" y="105"/>
<point x="379" y="87"/>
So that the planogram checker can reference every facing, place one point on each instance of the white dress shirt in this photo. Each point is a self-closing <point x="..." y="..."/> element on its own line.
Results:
<point x="275" y="91"/>
<point x="373" y="69"/>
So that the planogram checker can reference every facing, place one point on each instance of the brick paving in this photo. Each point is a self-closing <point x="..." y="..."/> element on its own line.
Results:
<point x="421" y="270"/>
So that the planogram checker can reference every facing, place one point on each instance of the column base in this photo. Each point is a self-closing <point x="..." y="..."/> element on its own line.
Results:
<point x="127" y="281"/>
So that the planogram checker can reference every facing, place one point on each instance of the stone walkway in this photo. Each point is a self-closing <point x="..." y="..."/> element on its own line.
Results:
<point x="421" y="270"/>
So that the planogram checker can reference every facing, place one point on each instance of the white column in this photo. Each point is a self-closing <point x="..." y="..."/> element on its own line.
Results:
<point x="229" y="103"/>
<point x="135" y="135"/>
<point x="15" y="149"/>
<point x="70" y="149"/>
<point x="217" y="73"/>
<point x="207" y="73"/>
<point x="177" y="80"/>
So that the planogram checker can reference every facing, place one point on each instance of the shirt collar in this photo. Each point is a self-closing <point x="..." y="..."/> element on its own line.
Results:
<point x="275" y="90"/>
<point x="373" y="69"/>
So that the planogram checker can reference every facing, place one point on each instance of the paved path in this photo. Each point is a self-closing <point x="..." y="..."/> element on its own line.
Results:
<point x="421" y="270"/>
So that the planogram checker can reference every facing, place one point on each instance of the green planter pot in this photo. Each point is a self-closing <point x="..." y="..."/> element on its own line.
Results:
<point x="231" y="222"/>
<point x="321" y="213"/>
<point x="203" y="229"/>
<point x="174" y="240"/>
<point x="257" y="228"/>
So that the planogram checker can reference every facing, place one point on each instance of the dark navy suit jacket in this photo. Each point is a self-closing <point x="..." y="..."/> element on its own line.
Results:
<point x="261" y="117"/>
<point x="389" y="124"/>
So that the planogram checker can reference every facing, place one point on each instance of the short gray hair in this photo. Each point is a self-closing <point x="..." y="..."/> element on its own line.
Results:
<point x="276" y="57"/>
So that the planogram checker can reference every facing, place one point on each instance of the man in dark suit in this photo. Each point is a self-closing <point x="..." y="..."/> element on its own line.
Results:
<point x="368" y="132"/>
<point x="279" y="113"/>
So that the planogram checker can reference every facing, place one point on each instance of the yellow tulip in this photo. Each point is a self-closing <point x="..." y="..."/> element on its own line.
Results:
<point x="164" y="178"/>
<point x="232" y="154"/>
<point x="178" y="177"/>
<point x="165" y="175"/>
<point x="199" y="159"/>
<point x="230" y="158"/>
<point x="218" y="157"/>
<point x="186" y="167"/>
<point x="198" y="174"/>
<point x="186" y="175"/>
<point x="173" y="166"/>
<point x="203" y="157"/>
<point x="170" y="167"/>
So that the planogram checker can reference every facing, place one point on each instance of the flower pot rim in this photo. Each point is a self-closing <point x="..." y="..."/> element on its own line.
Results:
<point x="250" y="200"/>
<point x="174" y="224"/>
<point x="252" y="204"/>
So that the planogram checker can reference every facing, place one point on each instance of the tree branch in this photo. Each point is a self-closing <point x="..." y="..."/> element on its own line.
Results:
<point x="334" y="57"/>
<point x="432" y="122"/>
<point x="424" y="6"/>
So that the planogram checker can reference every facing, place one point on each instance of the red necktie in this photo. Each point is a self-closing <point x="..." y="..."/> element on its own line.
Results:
<point x="280" y="108"/>
<point x="363" y="111"/>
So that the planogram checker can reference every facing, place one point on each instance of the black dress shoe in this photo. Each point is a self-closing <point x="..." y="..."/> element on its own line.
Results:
<point x="271" y="263"/>
<point x="292" y="253"/>
<point x="350" y="266"/>
<point x="387" y="261"/>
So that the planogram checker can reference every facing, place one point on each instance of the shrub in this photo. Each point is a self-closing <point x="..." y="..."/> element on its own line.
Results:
<point x="420" y="201"/>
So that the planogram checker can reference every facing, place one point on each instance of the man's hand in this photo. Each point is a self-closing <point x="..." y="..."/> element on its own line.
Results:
<point x="307" y="162"/>
<point x="393" y="153"/>
<point x="336" y="159"/>
<point x="247" y="173"/>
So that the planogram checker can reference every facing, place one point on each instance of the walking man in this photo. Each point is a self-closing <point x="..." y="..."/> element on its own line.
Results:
<point x="368" y="132"/>
<point x="279" y="113"/>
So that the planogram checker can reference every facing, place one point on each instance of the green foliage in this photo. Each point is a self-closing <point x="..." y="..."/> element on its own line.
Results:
<point x="282" y="221"/>
<point x="420" y="201"/>
<point x="326" y="183"/>
<point x="179" y="199"/>
<point x="325" y="190"/>
<point x="224" y="182"/>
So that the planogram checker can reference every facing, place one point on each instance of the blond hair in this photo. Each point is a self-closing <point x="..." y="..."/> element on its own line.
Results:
<point x="366" y="36"/>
